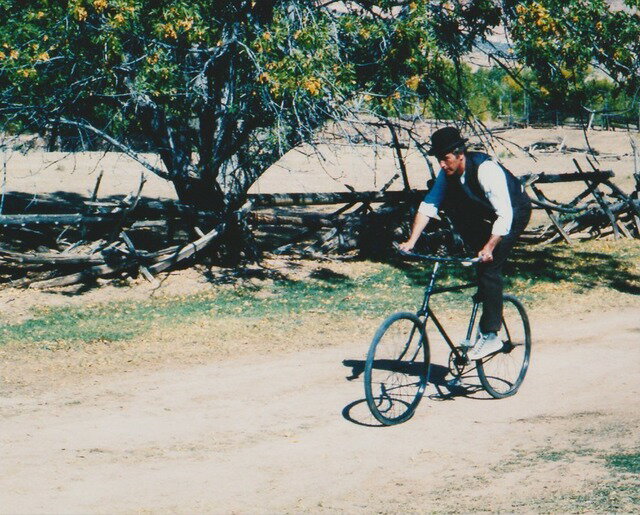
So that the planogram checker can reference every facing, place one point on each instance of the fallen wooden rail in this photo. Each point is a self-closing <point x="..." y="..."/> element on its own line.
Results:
<point x="89" y="239"/>
<point x="343" y="197"/>
<point x="68" y="219"/>
<point x="551" y="178"/>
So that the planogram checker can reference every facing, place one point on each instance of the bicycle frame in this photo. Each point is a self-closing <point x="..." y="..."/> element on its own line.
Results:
<point x="426" y="312"/>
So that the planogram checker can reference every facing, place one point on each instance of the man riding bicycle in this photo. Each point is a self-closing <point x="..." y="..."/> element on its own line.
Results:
<point x="488" y="207"/>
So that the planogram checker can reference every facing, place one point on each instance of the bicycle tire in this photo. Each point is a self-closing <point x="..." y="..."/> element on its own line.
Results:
<point x="397" y="368"/>
<point x="502" y="373"/>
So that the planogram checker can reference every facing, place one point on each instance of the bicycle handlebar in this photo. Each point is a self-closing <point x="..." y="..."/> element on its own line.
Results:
<point x="464" y="261"/>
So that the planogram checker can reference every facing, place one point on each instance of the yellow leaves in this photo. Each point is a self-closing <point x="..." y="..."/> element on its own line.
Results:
<point x="153" y="59"/>
<point x="2" y="55"/>
<point x="14" y="54"/>
<point x="27" y="72"/>
<point x="512" y="83"/>
<point x="118" y="20"/>
<point x="169" y="31"/>
<point x="274" y="88"/>
<point x="413" y="6"/>
<point x="40" y="15"/>
<point x="266" y="36"/>
<point x="100" y="5"/>
<point x="313" y="85"/>
<point x="263" y="78"/>
<point x="185" y="24"/>
<point x="413" y="82"/>
<point x="44" y="56"/>
<point x="80" y="13"/>
<point x="537" y="14"/>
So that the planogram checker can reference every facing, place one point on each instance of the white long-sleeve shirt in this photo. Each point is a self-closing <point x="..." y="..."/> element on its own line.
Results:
<point x="493" y="182"/>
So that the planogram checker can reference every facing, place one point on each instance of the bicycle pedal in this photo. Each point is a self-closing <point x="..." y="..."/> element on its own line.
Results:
<point x="466" y="344"/>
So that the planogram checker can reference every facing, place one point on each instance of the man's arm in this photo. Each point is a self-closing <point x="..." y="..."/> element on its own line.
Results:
<point x="427" y="210"/>
<point x="493" y="181"/>
<point x="419" y="224"/>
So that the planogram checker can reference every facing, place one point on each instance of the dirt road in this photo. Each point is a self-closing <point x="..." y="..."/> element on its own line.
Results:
<point x="289" y="433"/>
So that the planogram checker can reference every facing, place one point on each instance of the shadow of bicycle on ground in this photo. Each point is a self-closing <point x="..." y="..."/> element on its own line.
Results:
<point x="440" y="387"/>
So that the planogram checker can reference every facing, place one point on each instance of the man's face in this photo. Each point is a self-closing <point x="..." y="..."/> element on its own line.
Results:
<point x="451" y="163"/>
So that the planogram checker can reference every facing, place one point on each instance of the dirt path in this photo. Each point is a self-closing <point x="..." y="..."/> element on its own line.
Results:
<point x="269" y="434"/>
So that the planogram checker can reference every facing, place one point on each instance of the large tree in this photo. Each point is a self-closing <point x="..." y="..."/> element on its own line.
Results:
<point x="221" y="89"/>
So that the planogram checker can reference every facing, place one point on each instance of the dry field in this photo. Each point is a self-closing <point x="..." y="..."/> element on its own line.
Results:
<point x="330" y="169"/>
<point x="250" y="415"/>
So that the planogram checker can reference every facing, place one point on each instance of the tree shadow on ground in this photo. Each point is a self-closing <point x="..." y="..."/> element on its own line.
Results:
<point x="583" y="269"/>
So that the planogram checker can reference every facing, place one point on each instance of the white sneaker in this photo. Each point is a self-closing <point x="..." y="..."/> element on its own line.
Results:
<point x="487" y="344"/>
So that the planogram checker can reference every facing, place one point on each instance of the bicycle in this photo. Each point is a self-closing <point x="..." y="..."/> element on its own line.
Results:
<point x="397" y="365"/>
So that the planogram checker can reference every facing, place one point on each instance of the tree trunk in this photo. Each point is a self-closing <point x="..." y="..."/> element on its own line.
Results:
<point x="199" y="194"/>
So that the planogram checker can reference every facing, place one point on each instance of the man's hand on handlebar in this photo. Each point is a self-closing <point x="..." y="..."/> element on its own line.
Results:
<point x="406" y="246"/>
<point x="486" y="252"/>
<point x="485" y="256"/>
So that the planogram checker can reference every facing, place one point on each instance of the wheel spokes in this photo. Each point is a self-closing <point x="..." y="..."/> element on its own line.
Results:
<point x="395" y="372"/>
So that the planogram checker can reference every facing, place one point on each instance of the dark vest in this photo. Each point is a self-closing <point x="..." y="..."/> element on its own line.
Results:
<point x="470" y="201"/>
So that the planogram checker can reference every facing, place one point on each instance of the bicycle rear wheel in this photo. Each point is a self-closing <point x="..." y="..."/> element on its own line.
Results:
<point x="502" y="373"/>
<point x="397" y="368"/>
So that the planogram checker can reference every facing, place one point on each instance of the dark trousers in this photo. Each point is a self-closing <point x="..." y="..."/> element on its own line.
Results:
<point x="490" y="281"/>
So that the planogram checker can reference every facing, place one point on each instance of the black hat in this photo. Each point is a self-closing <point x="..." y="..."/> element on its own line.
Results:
<point x="445" y="140"/>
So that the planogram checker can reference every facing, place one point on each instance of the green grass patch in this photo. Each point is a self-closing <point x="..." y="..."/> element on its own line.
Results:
<point x="549" y="455"/>
<point x="536" y="274"/>
<point x="625" y="462"/>
<point x="373" y="295"/>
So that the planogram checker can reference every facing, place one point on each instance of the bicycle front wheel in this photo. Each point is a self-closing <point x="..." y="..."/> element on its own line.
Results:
<point x="502" y="373"/>
<point x="397" y="368"/>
